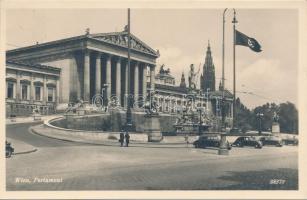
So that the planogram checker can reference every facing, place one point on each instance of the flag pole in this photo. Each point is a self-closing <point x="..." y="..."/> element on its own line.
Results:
<point x="128" y="114"/>
<point x="234" y="21"/>
<point x="223" y="71"/>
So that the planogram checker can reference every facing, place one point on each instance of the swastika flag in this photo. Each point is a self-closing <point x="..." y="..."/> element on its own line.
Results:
<point x="244" y="40"/>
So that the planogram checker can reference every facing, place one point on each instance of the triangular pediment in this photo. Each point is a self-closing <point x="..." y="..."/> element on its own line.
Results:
<point x="121" y="39"/>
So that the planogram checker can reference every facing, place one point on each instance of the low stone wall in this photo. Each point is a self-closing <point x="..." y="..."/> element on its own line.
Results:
<point x="50" y="130"/>
<point x="113" y="121"/>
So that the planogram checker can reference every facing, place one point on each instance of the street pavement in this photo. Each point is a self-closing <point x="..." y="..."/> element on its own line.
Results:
<point x="61" y="165"/>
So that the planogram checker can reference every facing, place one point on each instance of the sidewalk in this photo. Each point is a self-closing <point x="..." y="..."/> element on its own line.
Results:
<point x="21" y="147"/>
<point x="18" y="120"/>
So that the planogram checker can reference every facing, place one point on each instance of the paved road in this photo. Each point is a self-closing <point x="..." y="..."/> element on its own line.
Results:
<point x="87" y="167"/>
<point x="20" y="132"/>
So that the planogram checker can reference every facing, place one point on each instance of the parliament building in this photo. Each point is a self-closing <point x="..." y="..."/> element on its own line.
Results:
<point x="49" y="76"/>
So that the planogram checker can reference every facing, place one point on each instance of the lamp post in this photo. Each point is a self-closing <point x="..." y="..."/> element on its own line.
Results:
<point x="128" y="114"/>
<point x="234" y="21"/>
<point x="259" y="115"/>
<point x="103" y="91"/>
<point x="200" y="109"/>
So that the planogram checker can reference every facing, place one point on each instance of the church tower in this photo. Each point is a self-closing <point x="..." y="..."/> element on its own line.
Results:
<point x="182" y="82"/>
<point x="207" y="79"/>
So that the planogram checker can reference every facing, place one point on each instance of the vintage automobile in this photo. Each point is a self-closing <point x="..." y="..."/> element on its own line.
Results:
<point x="247" y="141"/>
<point x="9" y="150"/>
<point x="290" y="140"/>
<point x="271" y="140"/>
<point x="209" y="141"/>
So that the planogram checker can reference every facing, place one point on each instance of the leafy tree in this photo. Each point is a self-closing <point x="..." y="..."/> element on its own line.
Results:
<point x="249" y="119"/>
<point x="288" y="118"/>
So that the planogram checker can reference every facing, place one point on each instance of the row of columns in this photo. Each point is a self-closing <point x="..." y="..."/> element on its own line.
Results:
<point x="118" y="65"/>
<point x="32" y="89"/>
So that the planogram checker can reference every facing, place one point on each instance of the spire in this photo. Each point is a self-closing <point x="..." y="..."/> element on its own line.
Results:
<point x="208" y="77"/>
<point x="182" y="82"/>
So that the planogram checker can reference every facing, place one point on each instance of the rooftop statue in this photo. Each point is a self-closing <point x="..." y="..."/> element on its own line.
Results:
<point x="163" y="71"/>
<point x="192" y="77"/>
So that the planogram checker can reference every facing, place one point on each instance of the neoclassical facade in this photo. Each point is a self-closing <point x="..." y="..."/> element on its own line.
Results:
<point x="94" y="64"/>
<point x="30" y="86"/>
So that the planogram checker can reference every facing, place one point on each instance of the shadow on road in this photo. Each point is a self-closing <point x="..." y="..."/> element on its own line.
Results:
<point x="279" y="179"/>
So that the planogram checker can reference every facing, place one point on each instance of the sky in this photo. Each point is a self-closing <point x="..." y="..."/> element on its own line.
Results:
<point x="182" y="37"/>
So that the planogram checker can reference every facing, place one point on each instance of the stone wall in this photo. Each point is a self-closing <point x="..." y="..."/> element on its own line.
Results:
<point x="113" y="121"/>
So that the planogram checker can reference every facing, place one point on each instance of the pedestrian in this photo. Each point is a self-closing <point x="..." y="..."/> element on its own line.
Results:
<point x="121" y="138"/>
<point x="127" y="138"/>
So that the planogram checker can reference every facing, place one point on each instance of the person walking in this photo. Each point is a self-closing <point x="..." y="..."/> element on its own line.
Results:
<point x="127" y="138"/>
<point x="121" y="138"/>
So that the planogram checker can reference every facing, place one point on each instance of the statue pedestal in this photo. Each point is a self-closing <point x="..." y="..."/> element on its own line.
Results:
<point x="275" y="128"/>
<point x="152" y="128"/>
<point x="223" y="150"/>
<point x="36" y="116"/>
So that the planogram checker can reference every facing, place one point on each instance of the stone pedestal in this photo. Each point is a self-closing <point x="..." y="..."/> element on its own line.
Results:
<point x="80" y="111"/>
<point x="36" y="116"/>
<point x="275" y="128"/>
<point x="152" y="128"/>
<point x="223" y="150"/>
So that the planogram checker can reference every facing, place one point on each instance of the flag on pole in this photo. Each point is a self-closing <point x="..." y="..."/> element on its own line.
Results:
<point x="244" y="40"/>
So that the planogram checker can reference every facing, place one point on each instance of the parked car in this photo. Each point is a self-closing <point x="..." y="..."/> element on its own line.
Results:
<point x="247" y="141"/>
<point x="9" y="150"/>
<point x="290" y="140"/>
<point x="209" y="141"/>
<point x="271" y="140"/>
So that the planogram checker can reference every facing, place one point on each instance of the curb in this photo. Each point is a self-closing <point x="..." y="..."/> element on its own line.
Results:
<point x="31" y="130"/>
<point x="25" y="152"/>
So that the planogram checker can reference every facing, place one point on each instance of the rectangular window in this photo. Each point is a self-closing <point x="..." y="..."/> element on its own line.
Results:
<point x="24" y="92"/>
<point x="10" y="90"/>
<point x="50" y="94"/>
<point x="37" y="93"/>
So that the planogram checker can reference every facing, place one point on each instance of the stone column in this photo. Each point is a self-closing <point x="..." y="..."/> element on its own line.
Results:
<point x="152" y="77"/>
<point x="45" y="91"/>
<point x="32" y="89"/>
<point x="57" y="90"/>
<point x="98" y="74"/>
<point x="126" y="85"/>
<point x="144" y="82"/>
<point x="86" y="77"/>
<point x="108" y="77"/>
<point x="136" y="83"/>
<point x="18" y="96"/>
<point x="118" y="80"/>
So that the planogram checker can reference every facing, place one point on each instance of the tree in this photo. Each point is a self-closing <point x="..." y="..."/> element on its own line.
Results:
<point x="248" y="119"/>
<point x="288" y="118"/>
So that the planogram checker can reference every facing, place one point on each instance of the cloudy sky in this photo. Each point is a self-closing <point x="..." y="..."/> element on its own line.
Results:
<point x="182" y="35"/>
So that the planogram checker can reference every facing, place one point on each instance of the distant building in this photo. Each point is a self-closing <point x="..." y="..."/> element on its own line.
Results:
<point x="173" y="99"/>
<point x="207" y="79"/>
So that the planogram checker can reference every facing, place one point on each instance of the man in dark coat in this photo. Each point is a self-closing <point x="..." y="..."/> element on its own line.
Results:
<point x="121" y="138"/>
<point x="127" y="137"/>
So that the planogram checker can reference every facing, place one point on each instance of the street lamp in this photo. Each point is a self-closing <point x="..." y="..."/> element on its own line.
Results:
<point x="200" y="109"/>
<point x="259" y="115"/>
